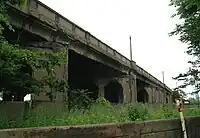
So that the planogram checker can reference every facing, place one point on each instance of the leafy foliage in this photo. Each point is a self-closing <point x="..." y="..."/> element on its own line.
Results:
<point x="137" y="112"/>
<point x="79" y="99"/>
<point x="17" y="65"/>
<point x="55" y="114"/>
<point x="189" y="31"/>
<point x="178" y="93"/>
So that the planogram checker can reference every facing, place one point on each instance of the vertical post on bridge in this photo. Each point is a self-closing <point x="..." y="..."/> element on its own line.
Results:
<point x="180" y="109"/>
<point x="131" y="56"/>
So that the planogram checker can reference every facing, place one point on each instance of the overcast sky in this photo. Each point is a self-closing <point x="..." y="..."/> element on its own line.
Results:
<point x="148" y="22"/>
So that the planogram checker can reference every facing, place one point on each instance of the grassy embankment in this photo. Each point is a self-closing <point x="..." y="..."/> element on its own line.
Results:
<point x="101" y="112"/>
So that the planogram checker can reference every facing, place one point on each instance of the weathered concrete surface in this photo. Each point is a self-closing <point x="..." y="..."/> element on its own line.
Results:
<point x="42" y="21"/>
<point x="15" y="110"/>
<point x="60" y="74"/>
<point x="150" y="129"/>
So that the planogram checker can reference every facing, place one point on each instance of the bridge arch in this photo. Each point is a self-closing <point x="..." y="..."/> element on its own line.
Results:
<point x="142" y="96"/>
<point x="113" y="92"/>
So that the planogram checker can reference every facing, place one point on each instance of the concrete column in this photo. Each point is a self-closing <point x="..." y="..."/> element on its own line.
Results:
<point x="39" y="74"/>
<point x="61" y="73"/>
<point x="163" y="100"/>
<point x="153" y="99"/>
<point x="154" y="95"/>
<point x="160" y="96"/>
<point x="157" y="95"/>
<point x="133" y="88"/>
<point x="150" y="93"/>
<point x="152" y="89"/>
<point x="164" y="97"/>
<point x="169" y="97"/>
<point x="101" y="90"/>
<point x="101" y="83"/>
<point x="124" y="81"/>
<point x="128" y="84"/>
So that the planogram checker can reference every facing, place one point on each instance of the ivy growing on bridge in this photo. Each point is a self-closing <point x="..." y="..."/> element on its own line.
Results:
<point x="17" y="65"/>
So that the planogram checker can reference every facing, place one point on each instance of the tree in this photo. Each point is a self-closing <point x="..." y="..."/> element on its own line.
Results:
<point x="178" y="93"/>
<point x="17" y="64"/>
<point x="189" y="31"/>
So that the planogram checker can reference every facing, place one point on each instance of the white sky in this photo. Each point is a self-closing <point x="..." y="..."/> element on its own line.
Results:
<point x="148" y="22"/>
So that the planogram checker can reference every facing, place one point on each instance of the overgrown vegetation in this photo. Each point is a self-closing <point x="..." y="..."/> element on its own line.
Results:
<point x="99" y="112"/>
<point x="17" y="65"/>
<point x="178" y="93"/>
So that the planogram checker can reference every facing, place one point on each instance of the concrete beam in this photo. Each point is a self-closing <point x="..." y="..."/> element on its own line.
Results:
<point x="40" y="20"/>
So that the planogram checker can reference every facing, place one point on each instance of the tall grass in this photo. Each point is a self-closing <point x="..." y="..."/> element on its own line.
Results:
<point x="99" y="112"/>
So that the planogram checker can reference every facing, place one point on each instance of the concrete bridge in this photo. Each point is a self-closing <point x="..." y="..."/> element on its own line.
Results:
<point x="92" y="64"/>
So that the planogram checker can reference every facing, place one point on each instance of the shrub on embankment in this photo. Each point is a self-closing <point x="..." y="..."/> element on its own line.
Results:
<point x="52" y="114"/>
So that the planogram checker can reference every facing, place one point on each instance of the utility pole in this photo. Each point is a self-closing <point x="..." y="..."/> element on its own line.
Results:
<point x="163" y="76"/>
<point x="131" y="56"/>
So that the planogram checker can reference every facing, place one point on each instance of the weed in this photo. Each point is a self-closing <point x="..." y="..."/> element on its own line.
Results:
<point x="101" y="111"/>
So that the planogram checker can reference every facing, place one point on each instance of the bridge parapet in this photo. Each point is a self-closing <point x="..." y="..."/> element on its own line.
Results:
<point x="44" y="13"/>
<point x="151" y="78"/>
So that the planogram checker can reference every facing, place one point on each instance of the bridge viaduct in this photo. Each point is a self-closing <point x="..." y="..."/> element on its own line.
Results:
<point x="91" y="65"/>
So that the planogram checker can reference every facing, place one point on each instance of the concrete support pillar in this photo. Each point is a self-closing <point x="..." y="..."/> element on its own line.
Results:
<point x="157" y="95"/>
<point x="160" y="96"/>
<point x="150" y="93"/>
<point x="164" y="97"/>
<point x="129" y="88"/>
<point x="61" y="72"/>
<point x="169" y="97"/>
<point x="133" y="88"/>
<point x="126" y="83"/>
<point x="153" y="95"/>
<point x="101" y="83"/>
<point x="133" y="85"/>
<point x="101" y="90"/>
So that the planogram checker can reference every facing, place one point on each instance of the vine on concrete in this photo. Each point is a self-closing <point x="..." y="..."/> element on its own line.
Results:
<point x="17" y="65"/>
